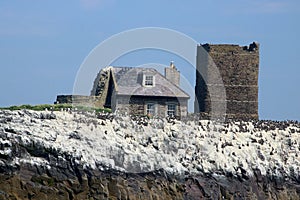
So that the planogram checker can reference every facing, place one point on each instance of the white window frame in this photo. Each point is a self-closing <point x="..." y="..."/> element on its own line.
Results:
<point x="147" y="83"/>
<point x="168" y="110"/>
<point x="154" y="109"/>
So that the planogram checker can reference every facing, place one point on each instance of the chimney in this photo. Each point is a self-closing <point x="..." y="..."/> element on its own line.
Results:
<point x="172" y="74"/>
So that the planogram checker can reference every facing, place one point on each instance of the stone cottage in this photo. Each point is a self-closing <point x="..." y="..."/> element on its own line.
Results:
<point x="141" y="91"/>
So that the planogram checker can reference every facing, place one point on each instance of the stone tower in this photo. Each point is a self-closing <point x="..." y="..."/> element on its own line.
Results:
<point x="238" y="67"/>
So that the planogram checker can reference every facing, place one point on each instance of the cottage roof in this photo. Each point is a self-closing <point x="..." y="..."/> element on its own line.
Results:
<point x="129" y="81"/>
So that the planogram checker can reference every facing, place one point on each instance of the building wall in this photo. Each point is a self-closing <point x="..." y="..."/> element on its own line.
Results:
<point x="101" y="87"/>
<point x="90" y="101"/>
<point x="238" y="67"/>
<point x="136" y="105"/>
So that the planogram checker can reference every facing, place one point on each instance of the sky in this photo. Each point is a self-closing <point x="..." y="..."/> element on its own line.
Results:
<point x="44" y="43"/>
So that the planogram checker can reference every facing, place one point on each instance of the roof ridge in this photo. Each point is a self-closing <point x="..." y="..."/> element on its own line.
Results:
<point x="136" y="67"/>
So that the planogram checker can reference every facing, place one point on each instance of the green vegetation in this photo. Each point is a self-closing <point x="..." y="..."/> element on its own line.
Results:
<point x="55" y="107"/>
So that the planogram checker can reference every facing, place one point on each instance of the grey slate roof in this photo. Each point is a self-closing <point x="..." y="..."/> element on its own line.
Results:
<point x="129" y="81"/>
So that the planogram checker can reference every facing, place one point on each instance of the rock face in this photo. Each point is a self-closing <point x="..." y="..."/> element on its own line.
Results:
<point x="63" y="178"/>
<point x="67" y="180"/>
<point x="33" y="164"/>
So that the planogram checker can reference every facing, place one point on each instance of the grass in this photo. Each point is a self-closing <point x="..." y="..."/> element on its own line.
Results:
<point x="55" y="107"/>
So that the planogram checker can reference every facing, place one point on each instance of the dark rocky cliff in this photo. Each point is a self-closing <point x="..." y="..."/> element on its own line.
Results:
<point x="64" y="178"/>
<point x="59" y="155"/>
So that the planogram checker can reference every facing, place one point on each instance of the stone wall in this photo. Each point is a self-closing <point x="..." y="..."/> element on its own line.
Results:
<point x="238" y="67"/>
<point x="135" y="105"/>
<point x="91" y="101"/>
<point x="101" y="87"/>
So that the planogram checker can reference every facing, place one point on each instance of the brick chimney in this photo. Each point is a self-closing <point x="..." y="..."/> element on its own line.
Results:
<point x="172" y="74"/>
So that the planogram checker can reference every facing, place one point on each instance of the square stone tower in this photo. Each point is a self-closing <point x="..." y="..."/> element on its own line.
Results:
<point x="238" y="67"/>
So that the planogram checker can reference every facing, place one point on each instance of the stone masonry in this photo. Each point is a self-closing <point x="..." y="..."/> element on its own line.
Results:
<point x="238" y="67"/>
<point x="172" y="74"/>
<point x="136" y="105"/>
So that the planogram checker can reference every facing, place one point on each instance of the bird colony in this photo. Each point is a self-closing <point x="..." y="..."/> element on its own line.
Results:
<point x="137" y="145"/>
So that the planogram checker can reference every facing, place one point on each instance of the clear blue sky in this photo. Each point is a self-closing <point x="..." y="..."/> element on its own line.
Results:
<point x="43" y="43"/>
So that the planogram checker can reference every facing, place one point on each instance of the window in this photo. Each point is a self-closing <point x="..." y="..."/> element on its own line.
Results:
<point x="150" y="109"/>
<point x="171" y="111"/>
<point x="148" y="80"/>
